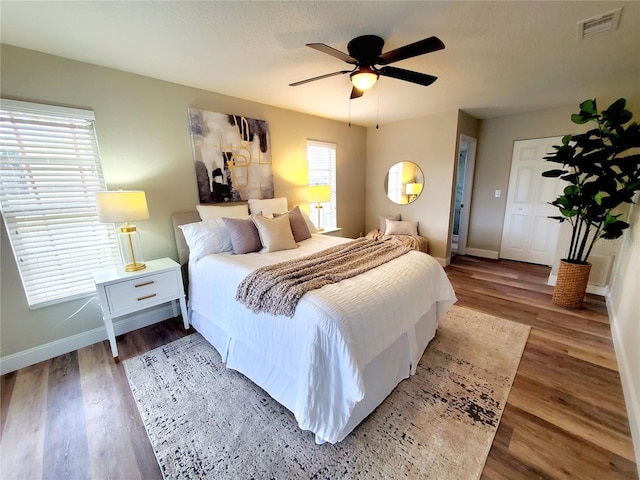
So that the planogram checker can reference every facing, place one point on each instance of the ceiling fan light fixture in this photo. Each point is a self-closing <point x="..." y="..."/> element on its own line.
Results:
<point x="364" y="78"/>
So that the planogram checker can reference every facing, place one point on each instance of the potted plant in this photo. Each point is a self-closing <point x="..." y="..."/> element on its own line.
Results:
<point x="600" y="179"/>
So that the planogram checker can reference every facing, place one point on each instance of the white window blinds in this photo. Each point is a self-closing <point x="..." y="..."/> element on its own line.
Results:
<point x="49" y="173"/>
<point x="321" y="160"/>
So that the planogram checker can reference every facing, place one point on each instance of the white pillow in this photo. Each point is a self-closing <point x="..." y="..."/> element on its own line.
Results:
<point x="211" y="212"/>
<point x="206" y="237"/>
<point x="268" y="206"/>
<point x="400" y="228"/>
<point x="382" y="218"/>
<point x="275" y="233"/>
<point x="310" y="224"/>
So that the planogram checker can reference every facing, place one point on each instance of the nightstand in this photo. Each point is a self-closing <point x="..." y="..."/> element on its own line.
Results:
<point x="333" y="232"/>
<point x="122" y="293"/>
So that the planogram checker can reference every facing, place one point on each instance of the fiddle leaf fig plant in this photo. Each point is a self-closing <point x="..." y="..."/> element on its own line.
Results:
<point x="602" y="168"/>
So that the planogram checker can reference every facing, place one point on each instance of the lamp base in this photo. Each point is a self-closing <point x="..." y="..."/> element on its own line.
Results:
<point x="319" y="226"/>
<point x="134" y="267"/>
<point x="130" y="249"/>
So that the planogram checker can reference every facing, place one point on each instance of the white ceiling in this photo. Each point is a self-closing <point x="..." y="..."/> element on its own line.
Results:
<point x="500" y="57"/>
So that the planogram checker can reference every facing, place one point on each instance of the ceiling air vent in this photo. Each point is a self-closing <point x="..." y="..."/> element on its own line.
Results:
<point x="600" y="24"/>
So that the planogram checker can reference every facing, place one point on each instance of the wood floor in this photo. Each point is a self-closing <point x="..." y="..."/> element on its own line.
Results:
<point x="74" y="416"/>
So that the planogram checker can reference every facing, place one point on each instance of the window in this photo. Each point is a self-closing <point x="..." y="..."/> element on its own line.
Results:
<point x="394" y="185"/>
<point x="321" y="160"/>
<point x="49" y="173"/>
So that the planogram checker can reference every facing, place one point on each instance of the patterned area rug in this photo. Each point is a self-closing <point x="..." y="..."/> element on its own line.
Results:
<point x="205" y="421"/>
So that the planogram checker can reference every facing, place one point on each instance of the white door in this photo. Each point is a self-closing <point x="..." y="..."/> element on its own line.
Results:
<point x="528" y="235"/>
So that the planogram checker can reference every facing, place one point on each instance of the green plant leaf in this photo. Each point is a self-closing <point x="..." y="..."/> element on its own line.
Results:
<point x="600" y="177"/>
<point x="614" y="230"/>
<point x="571" y="178"/>
<point x="568" y="213"/>
<point x="598" y="197"/>
<point x="588" y="111"/>
<point x="571" y="190"/>
<point x="553" y="173"/>
<point x="616" y="115"/>
<point x="610" y="219"/>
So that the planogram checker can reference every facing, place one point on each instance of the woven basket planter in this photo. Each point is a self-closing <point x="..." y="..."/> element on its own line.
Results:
<point x="571" y="285"/>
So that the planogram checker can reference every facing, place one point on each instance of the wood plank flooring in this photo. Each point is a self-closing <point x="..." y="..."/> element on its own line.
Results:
<point x="74" y="416"/>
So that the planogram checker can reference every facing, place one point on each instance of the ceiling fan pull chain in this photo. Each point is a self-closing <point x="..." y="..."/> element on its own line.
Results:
<point x="349" y="113"/>
<point x="378" y="109"/>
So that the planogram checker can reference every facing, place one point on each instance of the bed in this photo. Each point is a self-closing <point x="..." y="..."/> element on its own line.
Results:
<point x="345" y="348"/>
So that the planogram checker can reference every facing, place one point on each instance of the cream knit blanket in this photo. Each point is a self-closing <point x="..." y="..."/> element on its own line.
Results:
<point x="277" y="288"/>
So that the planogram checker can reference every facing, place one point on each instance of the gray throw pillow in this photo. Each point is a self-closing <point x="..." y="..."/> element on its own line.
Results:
<point x="299" y="226"/>
<point x="244" y="235"/>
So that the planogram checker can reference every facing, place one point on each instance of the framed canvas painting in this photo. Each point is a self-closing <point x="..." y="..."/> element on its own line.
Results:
<point x="232" y="157"/>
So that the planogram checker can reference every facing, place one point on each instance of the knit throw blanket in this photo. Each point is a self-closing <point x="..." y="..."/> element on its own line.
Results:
<point x="277" y="288"/>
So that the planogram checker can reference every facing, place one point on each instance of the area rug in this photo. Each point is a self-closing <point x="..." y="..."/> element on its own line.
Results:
<point x="205" y="421"/>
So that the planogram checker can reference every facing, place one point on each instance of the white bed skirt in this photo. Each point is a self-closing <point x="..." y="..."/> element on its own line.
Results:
<point x="381" y="375"/>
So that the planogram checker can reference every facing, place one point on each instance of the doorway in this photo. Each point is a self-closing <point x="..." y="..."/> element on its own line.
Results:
<point x="528" y="234"/>
<point x="464" y="185"/>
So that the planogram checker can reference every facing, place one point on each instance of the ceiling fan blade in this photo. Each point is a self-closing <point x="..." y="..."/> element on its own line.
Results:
<point x="321" y="47"/>
<point x="356" y="93"/>
<point x="327" y="75"/>
<point x="421" y="47"/>
<point x="408" y="75"/>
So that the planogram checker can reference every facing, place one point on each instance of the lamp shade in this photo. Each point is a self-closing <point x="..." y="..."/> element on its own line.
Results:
<point x="414" y="188"/>
<point x="318" y="193"/>
<point x="364" y="78"/>
<point x="121" y="206"/>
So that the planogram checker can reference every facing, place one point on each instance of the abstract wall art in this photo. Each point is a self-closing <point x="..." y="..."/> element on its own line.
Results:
<point x="232" y="157"/>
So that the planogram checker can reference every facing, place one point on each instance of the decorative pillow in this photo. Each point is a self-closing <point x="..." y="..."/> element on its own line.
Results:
<point x="243" y="235"/>
<point x="275" y="233"/>
<point x="209" y="212"/>
<point x="268" y="206"/>
<point x="382" y="218"/>
<point x="400" y="228"/>
<point x="298" y="224"/>
<point x="204" y="238"/>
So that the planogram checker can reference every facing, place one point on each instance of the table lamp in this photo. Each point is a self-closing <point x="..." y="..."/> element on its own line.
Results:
<point x="318" y="194"/>
<point x="413" y="190"/>
<point x="124" y="206"/>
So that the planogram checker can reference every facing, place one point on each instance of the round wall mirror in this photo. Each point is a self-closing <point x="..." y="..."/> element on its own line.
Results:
<point x="403" y="183"/>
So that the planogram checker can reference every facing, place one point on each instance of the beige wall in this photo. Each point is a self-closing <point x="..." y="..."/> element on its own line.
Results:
<point x="431" y="143"/>
<point x="493" y="165"/>
<point x="145" y="144"/>
<point x="624" y="306"/>
<point x="493" y="159"/>
<point x="468" y="126"/>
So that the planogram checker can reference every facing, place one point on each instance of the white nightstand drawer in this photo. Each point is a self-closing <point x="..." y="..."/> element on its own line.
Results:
<point x="140" y="292"/>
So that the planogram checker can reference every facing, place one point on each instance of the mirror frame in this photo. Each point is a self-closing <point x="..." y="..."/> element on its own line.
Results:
<point x="406" y="173"/>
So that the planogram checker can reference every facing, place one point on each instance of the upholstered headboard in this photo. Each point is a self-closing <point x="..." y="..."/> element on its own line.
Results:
<point x="182" y="218"/>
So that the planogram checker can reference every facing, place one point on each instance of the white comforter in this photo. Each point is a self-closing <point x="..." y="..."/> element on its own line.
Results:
<point x="336" y="330"/>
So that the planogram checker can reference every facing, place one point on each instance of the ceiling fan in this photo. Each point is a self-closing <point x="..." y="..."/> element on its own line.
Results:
<point x="365" y="52"/>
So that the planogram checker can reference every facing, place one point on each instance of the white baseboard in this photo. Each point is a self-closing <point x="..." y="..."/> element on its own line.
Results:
<point x="594" y="289"/>
<point x="631" y="400"/>
<point x="478" y="252"/>
<point x="47" y="351"/>
<point x="443" y="261"/>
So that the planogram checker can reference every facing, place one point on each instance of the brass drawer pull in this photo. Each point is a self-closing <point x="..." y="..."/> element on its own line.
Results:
<point x="145" y="284"/>
<point x="148" y="296"/>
